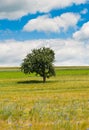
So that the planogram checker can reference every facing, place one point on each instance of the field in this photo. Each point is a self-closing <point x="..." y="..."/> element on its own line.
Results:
<point x="62" y="103"/>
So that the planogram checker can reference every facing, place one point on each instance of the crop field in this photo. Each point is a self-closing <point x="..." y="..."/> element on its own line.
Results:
<point x="62" y="103"/>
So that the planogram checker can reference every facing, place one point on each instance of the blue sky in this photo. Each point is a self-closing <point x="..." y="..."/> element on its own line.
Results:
<point x="60" y="25"/>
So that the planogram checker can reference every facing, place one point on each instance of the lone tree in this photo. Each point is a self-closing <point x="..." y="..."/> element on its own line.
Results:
<point x="39" y="61"/>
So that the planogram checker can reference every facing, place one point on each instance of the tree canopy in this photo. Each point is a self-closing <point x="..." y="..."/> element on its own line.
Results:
<point x="39" y="61"/>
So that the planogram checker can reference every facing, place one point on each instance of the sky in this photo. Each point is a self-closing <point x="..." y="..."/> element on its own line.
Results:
<point x="30" y="24"/>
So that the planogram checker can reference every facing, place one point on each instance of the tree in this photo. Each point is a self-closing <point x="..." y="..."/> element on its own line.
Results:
<point x="39" y="61"/>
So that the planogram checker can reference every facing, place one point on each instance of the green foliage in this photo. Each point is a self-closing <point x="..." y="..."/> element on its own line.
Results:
<point x="39" y="61"/>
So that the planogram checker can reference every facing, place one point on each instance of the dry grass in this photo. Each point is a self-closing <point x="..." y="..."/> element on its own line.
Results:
<point x="62" y="103"/>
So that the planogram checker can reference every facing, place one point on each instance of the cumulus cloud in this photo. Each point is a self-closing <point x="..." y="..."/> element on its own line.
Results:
<point x="56" y="24"/>
<point x="83" y="33"/>
<point x="67" y="52"/>
<point x="14" y="9"/>
<point x="12" y="52"/>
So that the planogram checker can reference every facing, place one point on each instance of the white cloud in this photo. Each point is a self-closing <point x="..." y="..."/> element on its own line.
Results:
<point x="14" y="9"/>
<point x="83" y="33"/>
<point x="84" y="11"/>
<point x="56" y="24"/>
<point x="67" y="52"/>
<point x="12" y="52"/>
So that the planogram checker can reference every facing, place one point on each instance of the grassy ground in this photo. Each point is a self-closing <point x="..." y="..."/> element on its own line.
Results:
<point x="62" y="103"/>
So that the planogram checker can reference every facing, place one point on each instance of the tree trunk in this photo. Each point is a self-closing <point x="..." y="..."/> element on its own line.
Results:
<point x="44" y="79"/>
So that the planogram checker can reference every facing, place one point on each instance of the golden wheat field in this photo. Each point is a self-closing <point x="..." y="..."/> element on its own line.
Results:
<point x="62" y="103"/>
